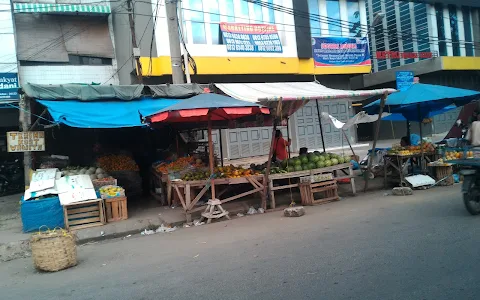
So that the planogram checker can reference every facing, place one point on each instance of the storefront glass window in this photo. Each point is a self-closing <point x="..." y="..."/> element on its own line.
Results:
<point x="244" y="11"/>
<point x="230" y="10"/>
<point x="441" y="29"/>
<point x="467" y="26"/>
<point x="452" y="12"/>
<point x="314" y="11"/>
<point x="198" y="24"/>
<point x="214" y="11"/>
<point x="271" y="12"/>
<point x="258" y="13"/>
<point x="334" y="23"/>
<point x="353" y="11"/>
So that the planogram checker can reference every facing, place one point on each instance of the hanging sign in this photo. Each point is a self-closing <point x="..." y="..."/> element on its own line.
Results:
<point x="255" y="38"/>
<point x="9" y="86"/>
<point x="405" y="79"/>
<point x="340" y="52"/>
<point x="25" y="141"/>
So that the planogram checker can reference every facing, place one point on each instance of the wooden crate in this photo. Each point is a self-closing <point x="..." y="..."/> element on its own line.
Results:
<point x="446" y="172"/>
<point x="328" y="188"/>
<point x="84" y="214"/>
<point x="116" y="209"/>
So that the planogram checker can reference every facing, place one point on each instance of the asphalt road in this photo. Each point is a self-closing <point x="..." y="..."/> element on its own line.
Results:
<point x="424" y="246"/>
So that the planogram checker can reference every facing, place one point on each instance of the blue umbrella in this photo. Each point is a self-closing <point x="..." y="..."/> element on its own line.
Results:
<point x="399" y="117"/>
<point x="416" y="103"/>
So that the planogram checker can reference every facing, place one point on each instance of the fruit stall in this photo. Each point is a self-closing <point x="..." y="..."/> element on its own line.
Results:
<point x="310" y="164"/>
<point x="398" y="158"/>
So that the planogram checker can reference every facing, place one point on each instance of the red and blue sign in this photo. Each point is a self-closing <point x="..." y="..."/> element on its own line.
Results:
<point x="340" y="52"/>
<point x="256" y="38"/>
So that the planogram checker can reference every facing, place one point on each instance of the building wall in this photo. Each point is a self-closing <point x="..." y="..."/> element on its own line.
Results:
<point x="67" y="74"/>
<point x="412" y="26"/>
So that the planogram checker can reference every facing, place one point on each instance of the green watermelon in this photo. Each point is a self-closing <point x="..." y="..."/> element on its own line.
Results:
<point x="321" y="164"/>
<point x="321" y="158"/>
<point x="334" y="161"/>
<point x="310" y="156"/>
<point x="298" y="168"/>
<point x="314" y="159"/>
<point x="290" y="169"/>
<point x="297" y="162"/>
<point x="341" y="160"/>
<point x="347" y="159"/>
<point x="328" y="163"/>
<point x="311" y="165"/>
<point x="317" y="153"/>
<point x="285" y="163"/>
<point x="304" y="159"/>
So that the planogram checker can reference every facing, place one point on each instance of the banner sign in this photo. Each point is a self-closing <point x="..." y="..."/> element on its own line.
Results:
<point x="405" y="55"/>
<point x="251" y="38"/>
<point x="9" y="86"/>
<point x="405" y="79"/>
<point x="25" y="141"/>
<point x="340" y="51"/>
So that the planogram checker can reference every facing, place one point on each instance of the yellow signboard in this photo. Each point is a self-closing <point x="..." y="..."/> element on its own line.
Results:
<point x="25" y="141"/>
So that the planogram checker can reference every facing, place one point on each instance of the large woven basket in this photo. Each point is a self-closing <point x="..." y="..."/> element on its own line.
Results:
<point x="54" y="250"/>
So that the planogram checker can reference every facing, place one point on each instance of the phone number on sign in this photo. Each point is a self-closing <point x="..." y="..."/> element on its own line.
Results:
<point x="240" y="48"/>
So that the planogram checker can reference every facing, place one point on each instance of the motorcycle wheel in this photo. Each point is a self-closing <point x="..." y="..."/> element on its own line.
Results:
<point x="472" y="203"/>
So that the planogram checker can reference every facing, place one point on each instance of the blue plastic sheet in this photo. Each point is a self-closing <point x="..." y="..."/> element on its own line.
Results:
<point x="41" y="214"/>
<point x="104" y="114"/>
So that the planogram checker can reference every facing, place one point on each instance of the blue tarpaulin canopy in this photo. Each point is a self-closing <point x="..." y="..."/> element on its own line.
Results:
<point x="104" y="114"/>
<point x="416" y="103"/>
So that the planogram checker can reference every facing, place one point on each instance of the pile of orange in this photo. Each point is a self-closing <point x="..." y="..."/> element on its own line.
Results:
<point x="117" y="162"/>
<point x="177" y="165"/>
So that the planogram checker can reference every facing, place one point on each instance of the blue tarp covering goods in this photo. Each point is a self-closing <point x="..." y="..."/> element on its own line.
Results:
<point x="104" y="114"/>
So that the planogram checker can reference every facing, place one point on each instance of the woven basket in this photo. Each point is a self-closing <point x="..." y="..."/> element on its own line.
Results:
<point x="54" y="250"/>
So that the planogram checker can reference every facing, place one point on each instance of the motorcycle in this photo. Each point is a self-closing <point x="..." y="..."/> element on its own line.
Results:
<point x="11" y="177"/>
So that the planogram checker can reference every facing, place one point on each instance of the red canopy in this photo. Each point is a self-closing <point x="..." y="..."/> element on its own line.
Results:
<point x="202" y="114"/>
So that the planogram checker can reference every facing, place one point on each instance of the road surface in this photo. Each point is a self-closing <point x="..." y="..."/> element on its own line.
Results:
<point x="372" y="246"/>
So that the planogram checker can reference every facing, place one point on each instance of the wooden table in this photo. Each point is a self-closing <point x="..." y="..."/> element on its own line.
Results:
<point x="183" y="190"/>
<point x="399" y="162"/>
<point x="346" y="169"/>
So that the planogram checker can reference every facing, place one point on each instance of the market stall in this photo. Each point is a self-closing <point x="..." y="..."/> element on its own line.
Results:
<point x="284" y="99"/>
<point x="207" y="111"/>
<point x="418" y="102"/>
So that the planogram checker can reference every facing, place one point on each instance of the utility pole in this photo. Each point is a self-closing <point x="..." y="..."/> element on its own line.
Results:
<point x="174" y="38"/>
<point x="185" y="53"/>
<point x="136" y="51"/>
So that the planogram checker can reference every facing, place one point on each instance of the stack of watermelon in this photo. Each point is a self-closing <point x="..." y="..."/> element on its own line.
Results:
<point x="315" y="160"/>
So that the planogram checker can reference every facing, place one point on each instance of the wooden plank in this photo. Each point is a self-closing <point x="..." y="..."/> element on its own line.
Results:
<point x="65" y="217"/>
<point x="272" y="194"/>
<point x="84" y="215"/>
<point x="241" y="195"/>
<point x="82" y="209"/>
<point x="188" y="200"/>
<point x="115" y="211"/>
<point x="84" y="221"/>
<point x="179" y="194"/>
<point x="323" y="189"/>
<point x="199" y="196"/>
<point x="123" y="205"/>
<point x="78" y="227"/>
<point x="282" y="187"/>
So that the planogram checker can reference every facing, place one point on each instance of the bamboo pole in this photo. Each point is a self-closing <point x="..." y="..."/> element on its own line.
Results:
<point x="320" y="123"/>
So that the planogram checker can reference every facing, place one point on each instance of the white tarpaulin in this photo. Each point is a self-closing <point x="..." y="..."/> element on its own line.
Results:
<point x="360" y="118"/>
<point x="259" y="92"/>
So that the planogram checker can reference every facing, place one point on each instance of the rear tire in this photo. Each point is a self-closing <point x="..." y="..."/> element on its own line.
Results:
<point x="472" y="203"/>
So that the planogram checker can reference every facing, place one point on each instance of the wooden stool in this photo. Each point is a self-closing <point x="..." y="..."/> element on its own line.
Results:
<point x="328" y="188"/>
<point x="214" y="210"/>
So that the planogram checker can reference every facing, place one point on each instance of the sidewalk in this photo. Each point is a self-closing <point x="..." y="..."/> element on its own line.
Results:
<point x="142" y="215"/>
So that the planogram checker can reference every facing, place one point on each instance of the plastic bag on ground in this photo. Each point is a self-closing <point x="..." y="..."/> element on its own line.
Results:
<point x="251" y="211"/>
